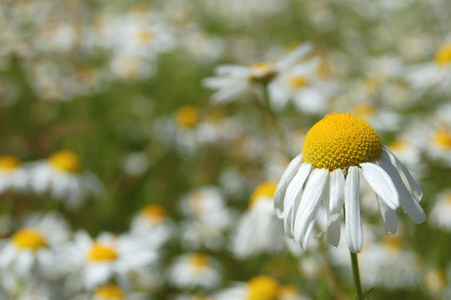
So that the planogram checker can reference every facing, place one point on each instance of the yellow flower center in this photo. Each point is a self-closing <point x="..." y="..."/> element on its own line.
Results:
<point x="394" y="244"/>
<point x="187" y="116"/>
<point x="364" y="110"/>
<point x="154" y="213"/>
<point x="262" y="72"/>
<point x="443" y="55"/>
<point x="398" y="145"/>
<point x="263" y="288"/>
<point x="109" y="292"/>
<point x="100" y="252"/>
<point x="199" y="261"/>
<point x="144" y="36"/>
<point x="298" y="82"/>
<point x="436" y="280"/>
<point x="264" y="190"/>
<point x="66" y="161"/>
<point x="288" y="292"/>
<point x="340" y="141"/>
<point x="9" y="163"/>
<point x="442" y="138"/>
<point x="29" y="238"/>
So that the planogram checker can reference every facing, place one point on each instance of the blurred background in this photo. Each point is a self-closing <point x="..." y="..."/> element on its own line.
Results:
<point x="136" y="140"/>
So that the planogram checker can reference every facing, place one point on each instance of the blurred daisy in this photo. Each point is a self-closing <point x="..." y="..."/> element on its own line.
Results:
<point x="336" y="151"/>
<point x="259" y="230"/>
<point x="152" y="223"/>
<point x="12" y="175"/>
<point x="232" y="82"/>
<point x="31" y="249"/>
<point x="441" y="211"/>
<point x="94" y="262"/>
<point x="61" y="176"/>
<point x="111" y="292"/>
<point x="194" y="270"/>
<point x="436" y="281"/>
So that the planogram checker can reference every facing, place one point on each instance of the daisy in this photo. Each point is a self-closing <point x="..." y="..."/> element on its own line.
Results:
<point x="233" y="81"/>
<point x="12" y="175"/>
<point x="96" y="261"/>
<point x="336" y="151"/>
<point x="194" y="270"/>
<point x="61" y="175"/>
<point x="259" y="230"/>
<point x="441" y="211"/>
<point x="111" y="292"/>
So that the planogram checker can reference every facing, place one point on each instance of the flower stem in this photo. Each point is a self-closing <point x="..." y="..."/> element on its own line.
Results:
<point x="356" y="275"/>
<point x="273" y="115"/>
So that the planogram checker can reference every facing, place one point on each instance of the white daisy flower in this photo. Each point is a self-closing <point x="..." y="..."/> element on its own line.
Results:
<point x="94" y="262"/>
<point x="111" y="292"/>
<point x="152" y="223"/>
<point x="336" y="151"/>
<point x="31" y="249"/>
<point x="61" y="176"/>
<point x="436" y="281"/>
<point x="194" y="270"/>
<point x="259" y="230"/>
<point x="233" y="81"/>
<point x="12" y="175"/>
<point x="441" y="211"/>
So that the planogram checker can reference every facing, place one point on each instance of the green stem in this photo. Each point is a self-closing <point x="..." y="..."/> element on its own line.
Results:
<point x="356" y="275"/>
<point x="273" y="116"/>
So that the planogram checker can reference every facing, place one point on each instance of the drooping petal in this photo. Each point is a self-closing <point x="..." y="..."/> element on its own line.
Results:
<point x="354" y="230"/>
<point x="389" y="216"/>
<point x="409" y="204"/>
<point x="286" y="178"/>
<point x="381" y="183"/>
<point x="309" y="202"/>
<point x="412" y="184"/>
<point x="337" y="187"/>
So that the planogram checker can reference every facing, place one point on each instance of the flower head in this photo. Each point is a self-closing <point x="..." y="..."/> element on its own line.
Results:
<point x="337" y="151"/>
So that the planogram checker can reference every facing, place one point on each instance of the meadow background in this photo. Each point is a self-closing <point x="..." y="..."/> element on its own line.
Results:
<point x="121" y="85"/>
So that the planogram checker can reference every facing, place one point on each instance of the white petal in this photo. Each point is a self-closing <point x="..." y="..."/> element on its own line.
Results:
<point x="309" y="202"/>
<point x="389" y="216"/>
<point x="414" y="186"/>
<point x="337" y="187"/>
<point x="410" y="205"/>
<point x="287" y="176"/>
<point x="381" y="183"/>
<point x="293" y="195"/>
<point x="354" y="230"/>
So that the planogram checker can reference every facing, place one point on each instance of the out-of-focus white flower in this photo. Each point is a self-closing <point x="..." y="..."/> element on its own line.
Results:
<point x="152" y="223"/>
<point x="259" y="230"/>
<point x="30" y="251"/>
<point x="94" y="262"/>
<point x="436" y="281"/>
<point x="194" y="270"/>
<point x="61" y="176"/>
<point x="12" y="175"/>
<point x="339" y="145"/>
<point x="440" y="212"/>
<point x="232" y="82"/>
<point x="111" y="292"/>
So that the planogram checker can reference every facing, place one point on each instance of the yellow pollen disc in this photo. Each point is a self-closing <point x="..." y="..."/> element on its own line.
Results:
<point x="443" y="55"/>
<point x="436" y="280"/>
<point x="340" y="141"/>
<point x="145" y="36"/>
<point x="9" y="163"/>
<point x="187" y="116"/>
<point x="298" y="82"/>
<point x="394" y="244"/>
<point x="262" y="288"/>
<point x="29" y="238"/>
<point x="262" y="72"/>
<point x="364" y="110"/>
<point x="442" y="138"/>
<point x="66" y="161"/>
<point x="264" y="190"/>
<point x="154" y="212"/>
<point x="199" y="261"/>
<point x="101" y="252"/>
<point x="397" y="145"/>
<point x="109" y="292"/>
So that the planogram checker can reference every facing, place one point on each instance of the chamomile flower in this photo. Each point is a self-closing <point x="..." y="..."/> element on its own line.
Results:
<point x="441" y="211"/>
<point x="111" y="292"/>
<point x="12" y="175"/>
<point x="234" y="81"/>
<point x="61" y="175"/>
<point x="259" y="229"/>
<point x="336" y="151"/>
<point x="194" y="270"/>
<point x="96" y="261"/>
<point x="152" y="223"/>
